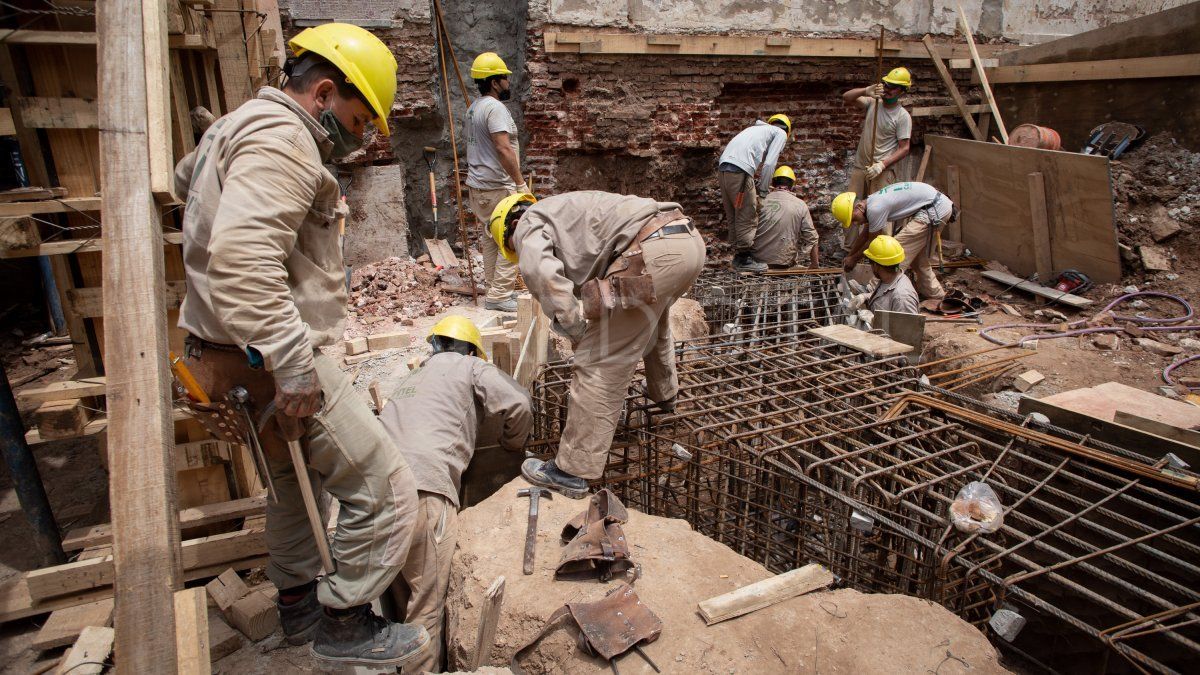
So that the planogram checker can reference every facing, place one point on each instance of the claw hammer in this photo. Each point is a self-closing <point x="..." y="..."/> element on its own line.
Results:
<point x="533" y="493"/>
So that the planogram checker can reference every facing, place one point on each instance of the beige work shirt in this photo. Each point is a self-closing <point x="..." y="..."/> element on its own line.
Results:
<point x="898" y="296"/>
<point x="567" y="240"/>
<point x="785" y="234"/>
<point x="434" y="414"/>
<point x="895" y="125"/>
<point x="260" y="238"/>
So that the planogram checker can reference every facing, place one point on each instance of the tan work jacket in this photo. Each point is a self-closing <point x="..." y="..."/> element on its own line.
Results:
<point x="898" y="296"/>
<point x="260" y="239"/>
<point x="567" y="240"/>
<point x="785" y="230"/>
<point x="434" y="414"/>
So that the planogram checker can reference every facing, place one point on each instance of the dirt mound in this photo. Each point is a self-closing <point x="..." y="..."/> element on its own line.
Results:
<point x="1157" y="198"/>
<point x="837" y="631"/>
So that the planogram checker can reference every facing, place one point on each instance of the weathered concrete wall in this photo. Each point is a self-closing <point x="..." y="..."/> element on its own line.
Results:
<point x="377" y="227"/>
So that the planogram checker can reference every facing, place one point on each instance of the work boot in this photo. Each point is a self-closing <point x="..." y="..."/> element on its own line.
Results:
<point x="545" y="474"/>
<point x="744" y="262"/>
<point x="299" y="619"/>
<point x="667" y="406"/>
<point x="358" y="636"/>
<point x="507" y="306"/>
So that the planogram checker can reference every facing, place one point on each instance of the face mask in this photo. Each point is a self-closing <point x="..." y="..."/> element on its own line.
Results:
<point x="344" y="142"/>
<point x="890" y="101"/>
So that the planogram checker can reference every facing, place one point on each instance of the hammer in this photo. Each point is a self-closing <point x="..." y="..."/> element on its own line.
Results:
<point x="531" y="531"/>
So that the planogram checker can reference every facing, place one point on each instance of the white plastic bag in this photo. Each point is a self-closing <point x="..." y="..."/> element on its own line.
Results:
<point x="976" y="508"/>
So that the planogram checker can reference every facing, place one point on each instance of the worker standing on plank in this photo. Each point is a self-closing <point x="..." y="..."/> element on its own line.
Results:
<point x="930" y="210"/>
<point x="875" y="167"/>
<point x="606" y="269"/>
<point x="786" y="236"/>
<point x="434" y="414"/>
<point x="265" y="289"/>
<point x="752" y="153"/>
<point x="894" y="292"/>
<point x="493" y="169"/>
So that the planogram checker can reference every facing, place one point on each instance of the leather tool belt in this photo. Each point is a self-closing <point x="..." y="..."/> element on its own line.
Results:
<point x="625" y="283"/>
<point x="596" y="546"/>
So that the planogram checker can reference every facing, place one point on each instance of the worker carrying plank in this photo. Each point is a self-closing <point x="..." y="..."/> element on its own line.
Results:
<point x="930" y="210"/>
<point x="884" y="140"/>
<point x="493" y="169"/>
<point x="893" y="292"/>
<point x="786" y="236"/>
<point x="606" y="269"/>
<point x="433" y="415"/>
<point x="265" y="289"/>
<point x="744" y="171"/>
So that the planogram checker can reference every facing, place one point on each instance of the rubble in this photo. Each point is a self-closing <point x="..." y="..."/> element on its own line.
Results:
<point x="397" y="290"/>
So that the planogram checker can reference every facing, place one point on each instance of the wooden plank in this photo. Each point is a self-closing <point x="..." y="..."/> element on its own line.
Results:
<point x="924" y="166"/>
<point x="222" y="640"/>
<point x="27" y="138"/>
<point x="1009" y="280"/>
<point x="7" y="128"/>
<point x="901" y="327"/>
<point x="158" y="74"/>
<point x="938" y="110"/>
<point x="995" y="208"/>
<point x="64" y="626"/>
<point x="68" y="246"/>
<point x="231" y="53"/>
<point x="1040" y="223"/>
<point x="91" y="651"/>
<point x="953" y="191"/>
<point x="19" y="233"/>
<point x="765" y="593"/>
<point x="1178" y="434"/>
<point x="196" y="516"/>
<point x="191" y="632"/>
<point x="255" y="615"/>
<point x="180" y="119"/>
<point x="67" y="205"/>
<point x="1173" y="31"/>
<point x="89" y="302"/>
<point x="948" y="81"/>
<point x="61" y="419"/>
<point x="47" y="37"/>
<point x="191" y="41"/>
<point x="226" y="589"/>
<point x="489" y="618"/>
<point x="98" y="424"/>
<point x="983" y="78"/>
<point x="30" y="194"/>
<point x="870" y="344"/>
<point x="43" y="112"/>
<point x="1179" y="65"/>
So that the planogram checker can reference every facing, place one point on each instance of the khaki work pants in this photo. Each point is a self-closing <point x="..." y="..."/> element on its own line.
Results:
<point x="420" y="590"/>
<point x="353" y="459"/>
<point x="860" y="186"/>
<point x="920" y="249"/>
<point x="743" y="222"/>
<point x="499" y="275"/>
<point x="607" y="356"/>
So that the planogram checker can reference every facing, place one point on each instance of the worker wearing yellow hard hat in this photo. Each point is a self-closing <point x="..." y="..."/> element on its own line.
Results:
<point x="786" y="237"/>
<point x="493" y="169"/>
<point x="894" y="292"/>
<point x="744" y="172"/>
<point x="434" y="414"/>
<point x="884" y="139"/>
<point x="266" y="290"/>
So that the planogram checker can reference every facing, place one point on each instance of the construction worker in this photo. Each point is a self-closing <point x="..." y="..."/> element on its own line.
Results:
<point x="265" y="289"/>
<point x="606" y="269"/>
<point x="434" y="414"/>
<point x="894" y="292"/>
<point x="930" y="210"/>
<point x="752" y="153"/>
<point x="493" y="169"/>
<point x="786" y="236"/>
<point x="875" y="167"/>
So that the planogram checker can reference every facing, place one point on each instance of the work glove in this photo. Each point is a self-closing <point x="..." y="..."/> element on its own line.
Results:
<point x="298" y="395"/>
<point x="522" y="189"/>
<point x="859" y="301"/>
<point x="574" y="333"/>
<point x="874" y="170"/>
<point x="874" y="90"/>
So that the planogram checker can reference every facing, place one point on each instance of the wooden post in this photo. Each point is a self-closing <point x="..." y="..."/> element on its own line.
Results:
<point x="955" y="231"/>
<point x="983" y="81"/>
<point x="489" y="618"/>
<point x="145" y="515"/>
<point x="954" y="94"/>
<point x="1041" y="228"/>
<point x="191" y="618"/>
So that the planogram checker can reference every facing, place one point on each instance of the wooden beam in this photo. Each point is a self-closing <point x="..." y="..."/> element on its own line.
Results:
<point x="89" y="303"/>
<point x="57" y="113"/>
<point x="64" y="626"/>
<point x="191" y="632"/>
<point x="938" y="110"/>
<point x="31" y="147"/>
<point x="61" y="419"/>
<point x="1037" y="289"/>
<point x="231" y="53"/>
<point x="99" y="424"/>
<point x="47" y="37"/>
<point x="7" y="128"/>
<point x="765" y="593"/>
<point x="489" y="618"/>
<point x="158" y="100"/>
<point x="90" y="654"/>
<point x="207" y="514"/>
<point x="191" y="41"/>
<point x="67" y="205"/>
<point x="1181" y="65"/>
<point x="66" y="246"/>
<point x="948" y="81"/>
<point x="1040" y="221"/>
<point x="954" y="231"/>
<point x="870" y="344"/>
<point x="983" y="80"/>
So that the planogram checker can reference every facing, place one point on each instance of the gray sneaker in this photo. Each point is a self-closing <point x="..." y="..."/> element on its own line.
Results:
<point x="508" y="306"/>
<point x="362" y="638"/>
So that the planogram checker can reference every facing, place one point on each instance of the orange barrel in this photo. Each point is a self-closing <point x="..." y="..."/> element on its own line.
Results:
<point x="1033" y="136"/>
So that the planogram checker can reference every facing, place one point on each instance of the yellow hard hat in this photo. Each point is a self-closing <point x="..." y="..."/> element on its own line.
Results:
<point x="458" y="327"/>
<point x="782" y="118"/>
<point x="885" y="250"/>
<point x="488" y="64"/>
<point x="784" y="172"/>
<point x="500" y="214"/>
<point x="367" y="63"/>
<point x="899" y="77"/>
<point x="843" y="207"/>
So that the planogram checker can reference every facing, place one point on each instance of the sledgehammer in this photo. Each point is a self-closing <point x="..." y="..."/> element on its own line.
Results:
<point x="533" y="493"/>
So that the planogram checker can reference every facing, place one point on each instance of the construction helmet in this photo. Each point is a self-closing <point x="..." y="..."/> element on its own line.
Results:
<point x="458" y="327"/>
<point x="500" y="215"/>
<point x="899" y="77"/>
<point x="782" y="118"/>
<point x="366" y="62"/>
<point x="885" y="250"/>
<point x="488" y="64"/>
<point x="843" y="208"/>
<point x="784" y="172"/>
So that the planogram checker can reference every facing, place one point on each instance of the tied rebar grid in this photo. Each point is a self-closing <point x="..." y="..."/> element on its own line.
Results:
<point x="759" y="304"/>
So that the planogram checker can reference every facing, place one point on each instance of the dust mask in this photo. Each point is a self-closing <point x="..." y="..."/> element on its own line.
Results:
<point x="344" y="142"/>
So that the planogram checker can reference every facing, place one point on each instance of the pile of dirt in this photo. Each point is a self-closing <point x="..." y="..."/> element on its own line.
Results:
<point x="835" y="631"/>
<point x="1156" y="188"/>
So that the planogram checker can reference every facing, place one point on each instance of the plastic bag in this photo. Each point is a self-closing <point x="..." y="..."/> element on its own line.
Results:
<point x="977" y="508"/>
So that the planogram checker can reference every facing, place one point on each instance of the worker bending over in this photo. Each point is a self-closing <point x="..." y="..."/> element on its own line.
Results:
<point x="753" y="152"/>
<point x="493" y="169"/>
<point x="930" y="210"/>
<point x="606" y="269"/>
<point x="265" y="289"/>
<point x="434" y="415"/>
<point x="874" y="167"/>
<point x="786" y="236"/>
<point x="894" y="292"/>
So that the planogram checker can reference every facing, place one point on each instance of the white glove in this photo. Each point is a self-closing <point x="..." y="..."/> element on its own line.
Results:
<point x="874" y="170"/>
<point x="522" y="188"/>
<point x="859" y="301"/>
<point x="874" y="90"/>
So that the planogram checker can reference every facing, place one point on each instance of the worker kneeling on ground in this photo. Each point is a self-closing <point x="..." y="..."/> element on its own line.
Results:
<point x="434" y="414"/>
<point x="786" y="236"/>
<point x="894" y="292"/>
<point x="265" y="289"/>
<point x="606" y="269"/>
<point x="753" y="152"/>
<point x="929" y="209"/>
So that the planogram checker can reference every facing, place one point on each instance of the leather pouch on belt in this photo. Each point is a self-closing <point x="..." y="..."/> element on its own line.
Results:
<point x="635" y="291"/>
<point x="596" y="546"/>
<point x="597" y="298"/>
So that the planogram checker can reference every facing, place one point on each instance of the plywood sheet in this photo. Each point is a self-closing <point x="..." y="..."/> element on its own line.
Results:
<point x="996" y="218"/>
<point x="860" y="340"/>
<point x="1104" y="400"/>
